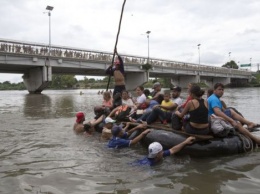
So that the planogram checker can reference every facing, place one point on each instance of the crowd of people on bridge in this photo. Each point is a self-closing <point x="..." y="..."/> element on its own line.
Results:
<point x="55" y="51"/>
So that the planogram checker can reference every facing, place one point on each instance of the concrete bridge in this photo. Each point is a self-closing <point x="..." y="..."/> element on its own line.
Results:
<point x="37" y="64"/>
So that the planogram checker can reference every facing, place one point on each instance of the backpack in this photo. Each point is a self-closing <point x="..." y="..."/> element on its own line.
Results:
<point x="122" y="112"/>
<point x="220" y="127"/>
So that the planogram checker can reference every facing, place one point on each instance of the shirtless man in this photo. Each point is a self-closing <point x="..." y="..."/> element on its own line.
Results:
<point x="118" y="73"/>
<point x="79" y="127"/>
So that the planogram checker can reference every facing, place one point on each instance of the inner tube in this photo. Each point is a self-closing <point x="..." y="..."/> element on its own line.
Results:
<point x="201" y="148"/>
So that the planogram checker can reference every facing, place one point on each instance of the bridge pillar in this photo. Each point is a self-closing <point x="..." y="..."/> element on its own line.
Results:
<point x="136" y="79"/>
<point x="223" y="80"/>
<point x="37" y="79"/>
<point x="184" y="80"/>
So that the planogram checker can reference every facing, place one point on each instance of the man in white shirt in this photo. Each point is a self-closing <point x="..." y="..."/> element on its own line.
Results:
<point x="176" y="92"/>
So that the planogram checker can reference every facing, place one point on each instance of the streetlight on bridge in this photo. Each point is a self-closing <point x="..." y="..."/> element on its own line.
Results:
<point x="49" y="8"/>
<point x="148" y="32"/>
<point x="250" y="63"/>
<point x="199" y="52"/>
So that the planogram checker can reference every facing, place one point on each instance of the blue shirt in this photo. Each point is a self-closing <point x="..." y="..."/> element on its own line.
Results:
<point x="150" y="161"/>
<point x="119" y="142"/>
<point x="151" y="105"/>
<point x="213" y="102"/>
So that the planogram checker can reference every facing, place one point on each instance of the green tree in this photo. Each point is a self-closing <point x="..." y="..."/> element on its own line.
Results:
<point x="231" y="64"/>
<point x="63" y="81"/>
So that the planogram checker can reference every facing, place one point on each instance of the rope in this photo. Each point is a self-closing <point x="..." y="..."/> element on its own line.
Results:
<point x="119" y="27"/>
<point x="247" y="143"/>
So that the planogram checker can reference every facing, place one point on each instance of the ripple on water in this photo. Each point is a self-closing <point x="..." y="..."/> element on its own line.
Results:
<point x="39" y="153"/>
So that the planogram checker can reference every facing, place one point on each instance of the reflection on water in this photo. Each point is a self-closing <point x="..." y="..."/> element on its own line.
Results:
<point x="38" y="106"/>
<point x="42" y="106"/>
<point x="39" y="153"/>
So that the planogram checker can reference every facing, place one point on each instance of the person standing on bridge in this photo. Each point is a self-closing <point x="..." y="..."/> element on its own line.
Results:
<point x="118" y="72"/>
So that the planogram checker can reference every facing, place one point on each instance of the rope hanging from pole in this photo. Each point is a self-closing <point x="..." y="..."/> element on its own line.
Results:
<point x="119" y="27"/>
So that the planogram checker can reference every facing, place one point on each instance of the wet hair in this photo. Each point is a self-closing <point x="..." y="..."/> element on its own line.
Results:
<point x="218" y="85"/>
<point x="197" y="91"/>
<point x="147" y="92"/>
<point x="107" y="94"/>
<point x="209" y="92"/>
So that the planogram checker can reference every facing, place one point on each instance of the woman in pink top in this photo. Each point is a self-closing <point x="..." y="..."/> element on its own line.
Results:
<point x="107" y="100"/>
<point x="106" y="106"/>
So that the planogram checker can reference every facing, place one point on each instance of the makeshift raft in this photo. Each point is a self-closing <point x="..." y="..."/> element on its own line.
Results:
<point x="205" y="145"/>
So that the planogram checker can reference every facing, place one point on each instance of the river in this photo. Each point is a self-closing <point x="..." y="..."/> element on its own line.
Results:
<point x="39" y="153"/>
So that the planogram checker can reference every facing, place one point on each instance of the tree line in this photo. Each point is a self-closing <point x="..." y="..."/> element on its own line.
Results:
<point x="70" y="82"/>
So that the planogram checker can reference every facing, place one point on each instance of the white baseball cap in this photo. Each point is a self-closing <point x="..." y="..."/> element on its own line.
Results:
<point x="109" y="120"/>
<point x="153" y="149"/>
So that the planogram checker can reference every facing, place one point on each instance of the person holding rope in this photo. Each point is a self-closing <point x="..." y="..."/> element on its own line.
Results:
<point x="118" y="72"/>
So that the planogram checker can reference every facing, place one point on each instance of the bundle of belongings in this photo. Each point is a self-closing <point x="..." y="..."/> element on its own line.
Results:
<point x="220" y="127"/>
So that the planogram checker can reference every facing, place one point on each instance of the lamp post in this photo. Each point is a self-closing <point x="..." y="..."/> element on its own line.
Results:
<point x="49" y="8"/>
<point x="148" y="32"/>
<point x="250" y="63"/>
<point x="229" y="56"/>
<point x="199" y="52"/>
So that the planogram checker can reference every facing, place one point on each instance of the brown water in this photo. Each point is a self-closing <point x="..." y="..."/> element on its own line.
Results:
<point x="39" y="153"/>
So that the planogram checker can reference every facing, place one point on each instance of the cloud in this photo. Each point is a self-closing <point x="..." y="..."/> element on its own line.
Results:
<point x="176" y="27"/>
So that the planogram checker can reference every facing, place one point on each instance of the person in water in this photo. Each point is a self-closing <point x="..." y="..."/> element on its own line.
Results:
<point x="156" y="152"/>
<point x="197" y="108"/>
<point x="118" y="72"/>
<point x="120" y="137"/>
<point x="229" y="115"/>
<point x="79" y="126"/>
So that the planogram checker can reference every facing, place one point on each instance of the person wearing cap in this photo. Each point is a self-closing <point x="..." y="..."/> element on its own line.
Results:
<point x="156" y="90"/>
<point x="176" y="92"/>
<point x="118" y="73"/>
<point x="120" y="137"/>
<point x="156" y="152"/>
<point x="79" y="127"/>
<point x="106" y="131"/>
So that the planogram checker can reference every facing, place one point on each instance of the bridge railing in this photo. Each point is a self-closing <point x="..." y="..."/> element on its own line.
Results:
<point x="29" y="48"/>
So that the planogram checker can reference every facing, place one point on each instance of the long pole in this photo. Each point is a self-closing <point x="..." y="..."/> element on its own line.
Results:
<point x="199" y="64"/>
<point x="199" y="53"/>
<point x="49" y="33"/>
<point x="250" y="63"/>
<point x="148" y="49"/>
<point x="122" y="11"/>
<point x="148" y="58"/>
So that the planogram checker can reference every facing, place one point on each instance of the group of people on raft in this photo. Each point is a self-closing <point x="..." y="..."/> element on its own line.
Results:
<point x="151" y="107"/>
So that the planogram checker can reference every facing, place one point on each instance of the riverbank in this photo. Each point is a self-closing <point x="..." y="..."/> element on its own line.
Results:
<point x="62" y="82"/>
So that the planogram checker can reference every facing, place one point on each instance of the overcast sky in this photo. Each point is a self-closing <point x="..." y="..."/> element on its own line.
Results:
<point x="177" y="27"/>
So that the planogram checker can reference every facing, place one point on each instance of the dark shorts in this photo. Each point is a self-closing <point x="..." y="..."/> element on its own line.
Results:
<point x="192" y="130"/>
<point x="118" y="89"/>
<point x="228" y="113"/>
